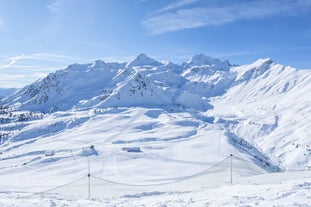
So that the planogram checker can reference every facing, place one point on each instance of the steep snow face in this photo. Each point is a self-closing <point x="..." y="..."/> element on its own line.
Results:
<point x="253" y="70"/>
<point x="206" y="81"/>
<point x="136" y="89"/>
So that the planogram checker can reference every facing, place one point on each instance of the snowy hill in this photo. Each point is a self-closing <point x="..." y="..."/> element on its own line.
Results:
<point x="189" y="116"/>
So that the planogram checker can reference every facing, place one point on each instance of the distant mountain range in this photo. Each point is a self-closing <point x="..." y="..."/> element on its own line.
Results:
<point x="142" y="81"/>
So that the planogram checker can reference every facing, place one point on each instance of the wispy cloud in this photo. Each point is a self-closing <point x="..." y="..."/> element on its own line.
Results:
<point x="36" y="58"/>
<point x="120" y="59"/>
<point x="15" y="80"/>
<point x="1" y="24"/>
<point x="55" y="9"/>
<point x="187" y="14"/>
<point x="20" y="70"/>
<point x="176" y="5"/>
<point x="54" y="6"/>
<point x="140" y="2"/>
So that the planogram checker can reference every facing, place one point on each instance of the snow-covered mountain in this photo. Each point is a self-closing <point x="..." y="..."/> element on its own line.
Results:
<point x="203" y="60"/>
<point x="175" y="115"/>
<point x="263" y="103"/>
<point x="142" y="60"/>
<point x="142" y="81"/>
<point x="268" y="107"/>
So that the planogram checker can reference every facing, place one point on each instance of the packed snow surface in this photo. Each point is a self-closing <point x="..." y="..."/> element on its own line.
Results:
<point x="159" y="134"/>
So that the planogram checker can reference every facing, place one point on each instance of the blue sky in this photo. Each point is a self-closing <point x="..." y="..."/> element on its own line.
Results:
<point x="40" y="36"/>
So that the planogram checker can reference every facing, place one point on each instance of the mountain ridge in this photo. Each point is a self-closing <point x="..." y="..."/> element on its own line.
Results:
<point x="100" y="77"/>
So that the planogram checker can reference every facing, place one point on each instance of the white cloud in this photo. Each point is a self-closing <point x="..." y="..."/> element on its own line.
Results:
<point x="1" y="24"/>
<point x="14" y="80"/>
<point x="20" y="70"/>
<point x="55" y="9"/>
<point x="12" y="61"/>
<point x="177" y="17"/>
<point x="140" y="2"/>
<point x="33" y="59"/>
<point x="54" y="6"/>
<point x="120" y="59"/>
<point x="176" y="5"/>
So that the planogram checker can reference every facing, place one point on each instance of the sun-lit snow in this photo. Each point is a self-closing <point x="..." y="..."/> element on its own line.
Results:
<point x="183" y="119"/>
<point x="270" y="111"/>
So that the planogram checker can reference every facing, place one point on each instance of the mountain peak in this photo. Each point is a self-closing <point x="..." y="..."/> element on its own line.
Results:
<point x="253" y="70"/>
<point x="200" y="60"/>
<point x="142" y="60"/>
<point x="98" y="64"/>
<point x="263" y="61"/>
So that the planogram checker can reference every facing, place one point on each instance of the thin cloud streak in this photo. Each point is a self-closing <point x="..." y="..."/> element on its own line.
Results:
<point x="20" y="70"/>
<point x="13" y="61"/>
<point x="176" y="5"/>
<point x="1" y="24"/>
<point x="209" y="15"/>
<point x="118" y="59"/>
<point x="54" y="7"/>
<point x="140" y="2"/>
<point x="15" y="81"/>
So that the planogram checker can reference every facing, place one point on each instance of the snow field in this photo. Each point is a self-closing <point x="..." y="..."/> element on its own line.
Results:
<point x="62" y="155"/>
<point x="278" y="189"/>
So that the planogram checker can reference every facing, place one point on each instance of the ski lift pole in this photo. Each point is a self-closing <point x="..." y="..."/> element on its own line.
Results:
<point x="231" y="180"/>
<point x="89" y="180"/>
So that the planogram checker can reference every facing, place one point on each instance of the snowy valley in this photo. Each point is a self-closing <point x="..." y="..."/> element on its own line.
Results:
<point x="146" y="123"/>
